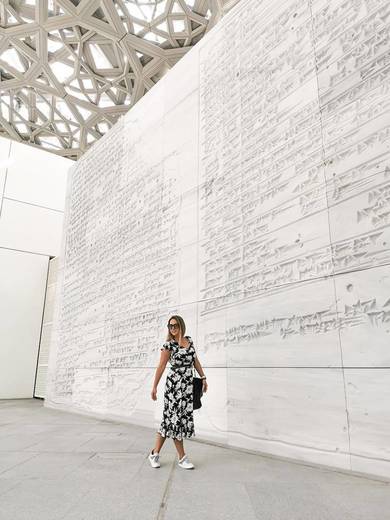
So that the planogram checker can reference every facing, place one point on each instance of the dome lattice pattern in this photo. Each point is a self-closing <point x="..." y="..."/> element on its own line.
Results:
<point x="70" y="68"/>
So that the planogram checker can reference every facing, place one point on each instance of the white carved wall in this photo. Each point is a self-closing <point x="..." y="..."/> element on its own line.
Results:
<point x="248" y="191"/>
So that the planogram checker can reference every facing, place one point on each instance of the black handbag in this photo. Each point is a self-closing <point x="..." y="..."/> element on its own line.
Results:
<point x="197" y="392"/>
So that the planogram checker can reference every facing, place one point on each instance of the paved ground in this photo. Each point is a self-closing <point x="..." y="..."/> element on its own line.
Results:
<point x="56" y="465"/>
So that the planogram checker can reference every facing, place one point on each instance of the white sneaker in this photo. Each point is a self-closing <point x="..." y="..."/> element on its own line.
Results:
<point x="185" y="463"/>
<point x="154" y="460"/>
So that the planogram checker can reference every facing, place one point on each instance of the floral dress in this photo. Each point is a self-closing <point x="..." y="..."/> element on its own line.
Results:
<point x="178" y="420"/>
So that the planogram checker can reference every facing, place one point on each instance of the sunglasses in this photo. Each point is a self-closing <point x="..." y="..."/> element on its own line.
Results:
<point x="173" y="326"/>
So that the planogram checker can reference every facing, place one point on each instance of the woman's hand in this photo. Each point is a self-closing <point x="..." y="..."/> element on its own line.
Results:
<point x="154" y="393"/>
<point x="204" y="388"/>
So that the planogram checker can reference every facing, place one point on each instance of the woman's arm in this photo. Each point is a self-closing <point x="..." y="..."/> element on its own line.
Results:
<point x="199" y="369"/>
<point x="164" y="357"/>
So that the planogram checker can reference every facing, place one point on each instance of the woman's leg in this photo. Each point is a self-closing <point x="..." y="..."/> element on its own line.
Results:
<point x="180" y="448"/>
<point x="159" y="443"/>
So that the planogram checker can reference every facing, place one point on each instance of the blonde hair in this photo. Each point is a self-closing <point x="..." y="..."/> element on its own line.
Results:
<point x="181" y="324"/>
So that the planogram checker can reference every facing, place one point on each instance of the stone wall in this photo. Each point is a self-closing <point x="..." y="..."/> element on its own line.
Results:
<point x="249" y="192"/>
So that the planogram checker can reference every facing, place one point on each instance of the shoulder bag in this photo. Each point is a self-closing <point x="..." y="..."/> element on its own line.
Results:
<point x="197" y="391"/>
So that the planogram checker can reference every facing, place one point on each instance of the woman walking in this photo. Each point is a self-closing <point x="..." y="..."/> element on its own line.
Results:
<point x="178" y="421"/>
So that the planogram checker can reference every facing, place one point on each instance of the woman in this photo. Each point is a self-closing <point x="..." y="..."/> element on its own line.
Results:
<point x="178" y="421"/>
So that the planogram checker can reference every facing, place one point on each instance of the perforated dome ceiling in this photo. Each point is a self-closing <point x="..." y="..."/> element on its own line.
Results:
<point x="70" y="68"/>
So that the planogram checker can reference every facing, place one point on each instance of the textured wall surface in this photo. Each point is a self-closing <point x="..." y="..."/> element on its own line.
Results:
<point x="249" y="191"/>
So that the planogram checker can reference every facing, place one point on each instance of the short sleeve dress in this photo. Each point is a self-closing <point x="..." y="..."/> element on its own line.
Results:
<point x="178" y="420"/>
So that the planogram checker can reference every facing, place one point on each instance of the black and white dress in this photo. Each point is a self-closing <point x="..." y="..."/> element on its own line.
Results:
<point x="178" y="419"/>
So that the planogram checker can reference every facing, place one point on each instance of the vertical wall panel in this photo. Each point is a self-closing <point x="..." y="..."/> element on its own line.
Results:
<point x="47" y="325"/>
<point x="30" y="228"/>
<point x="22" y="289"/>
<point x="43" y="182"/>
<point x="31" y="220"/>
